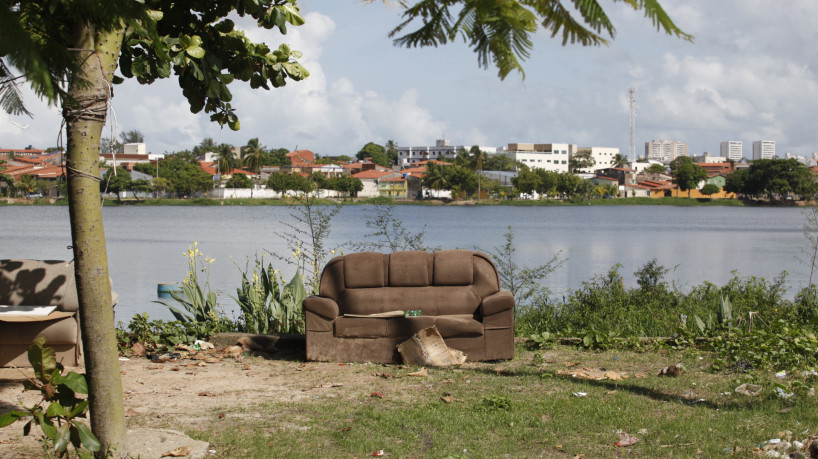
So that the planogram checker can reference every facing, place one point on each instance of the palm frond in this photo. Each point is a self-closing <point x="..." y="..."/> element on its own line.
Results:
<point x="11" y="99"/>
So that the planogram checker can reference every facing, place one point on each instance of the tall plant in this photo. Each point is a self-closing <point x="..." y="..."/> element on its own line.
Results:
<point x="307" y="238"/>
<point x="388" y="232"/>
<point x="197" y="301"/>
<point x="265" y="306"/>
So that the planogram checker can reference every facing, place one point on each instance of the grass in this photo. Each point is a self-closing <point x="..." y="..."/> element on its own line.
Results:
<point x="523" y="408"/>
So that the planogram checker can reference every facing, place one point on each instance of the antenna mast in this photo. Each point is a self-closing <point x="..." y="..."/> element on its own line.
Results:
<point x="631" y="105"/>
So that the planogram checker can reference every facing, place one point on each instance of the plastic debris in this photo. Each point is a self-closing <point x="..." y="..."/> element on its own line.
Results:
<point x="781" y="393"/>
<point x="377" y="394"/>
<point x="751" y="390"/>
<point x="781" y="374"/>
<point x="423" y="372"/>
<point x="626" y="439"/>
<point x="377" y="453"/>
<point x="580" y="394"/>
<point x="672" y="370"/>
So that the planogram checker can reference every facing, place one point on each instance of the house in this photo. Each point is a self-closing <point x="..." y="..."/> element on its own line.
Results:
<point x="300" y="158"/>
<point x="620" y="174"/>
<point x="370" y="179"/>
<point x="28" y="152"/>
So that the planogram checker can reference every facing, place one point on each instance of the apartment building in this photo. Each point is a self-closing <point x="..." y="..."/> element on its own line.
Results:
<point x="549" y="156"/>
<point x="603" y="158"/>
<point x="441" y="151"/>
<point x="665" y="150"/>
<point x="763" y="149"/>
<point x="732" y="149"/>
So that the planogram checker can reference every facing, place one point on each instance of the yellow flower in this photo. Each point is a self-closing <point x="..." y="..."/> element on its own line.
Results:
<point x="210" y="260"/>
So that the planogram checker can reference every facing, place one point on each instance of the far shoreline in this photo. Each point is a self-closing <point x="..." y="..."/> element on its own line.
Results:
<point x="634" y="201"/>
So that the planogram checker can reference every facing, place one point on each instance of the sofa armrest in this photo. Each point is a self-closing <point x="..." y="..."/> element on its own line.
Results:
<point x="326" y="308"/>
<point x="497" y="303"/>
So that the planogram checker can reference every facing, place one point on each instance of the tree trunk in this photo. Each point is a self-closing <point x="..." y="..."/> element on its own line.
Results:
<point x="84" y="112"/>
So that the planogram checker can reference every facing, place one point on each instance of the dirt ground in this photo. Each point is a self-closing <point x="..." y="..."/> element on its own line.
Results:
<point x="188" y="392"/>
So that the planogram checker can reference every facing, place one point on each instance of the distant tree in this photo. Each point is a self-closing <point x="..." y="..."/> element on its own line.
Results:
<point x="476" y="159"/>
<point x="115" y="183"/>
<point x="779" y="177"/>
<point x="239" y="180"/>
<point x="581" y="160"/>
<point x="709" y="189"/>
<point x="345" y="184"/>
<point x="132" y="136"/>
<point x="435" y="177"/>
<point x="687" y="174"/>
<point x="737" y="181"/>
<point x="568" y="185"/>
<point x="318" y="179"/>
<point x="547" y="181"/>
<point x="162" y="185"/>
<point x="392" y="151"/>
<point x="345" y="158"/>
<point x="278" y="157"/>
<point x="140" y="186"/>
<point x="252" y="155"/>
<point x="185" y="178"/>
<point x="619" y="160"/>
<point x="226" y="161"/>
<point x="526" y="182"/>
<point x="462" y="158"/>
<point x="499" y="163"/>
<point x="206" y="145"/>
<point x="376" y="152"/>
<point x="277" y="182"/>
<point x="656" y="168"/>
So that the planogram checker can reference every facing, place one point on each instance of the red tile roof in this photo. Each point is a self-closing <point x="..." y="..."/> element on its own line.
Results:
<point x="371" y="174"/>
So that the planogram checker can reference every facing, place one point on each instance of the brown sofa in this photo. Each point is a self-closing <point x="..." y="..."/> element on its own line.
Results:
<point x="458" y="291"/>
<point x="39" y="283"/>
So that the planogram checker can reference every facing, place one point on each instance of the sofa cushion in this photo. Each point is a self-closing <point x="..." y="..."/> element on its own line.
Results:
<point x="409" y="269"/>
<point x="364" y="270"/>
<point x="454" y="267"/>
<point x="433" y="301"/>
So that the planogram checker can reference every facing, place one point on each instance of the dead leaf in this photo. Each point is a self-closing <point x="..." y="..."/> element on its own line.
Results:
<point x="138" y="348"/>
<point x="350" y="420"/>
<point x="345" y="429"/>
<point x="155" y="367"/>
<point x="571" y="364"/>
<point x="610" y="392"/>
<point x="212" y="360"/>
<point x="245" y="367"/>
<point x="578" y="456"/>
<point x="175" y="369"/>
<point x="377" y="394"/>
<point x="6" y="442"/>
<point x="422" y="373"/>
<point x="221" y="415"/>
<point x="447" y="381"/>
<point x="448" y="399"/>
<point x="385" y="375"/>
<point x="672" y="370"/>
<point x="130" y="413"/>
<point x="206" y="394"/>
<point x="178" y="452"/>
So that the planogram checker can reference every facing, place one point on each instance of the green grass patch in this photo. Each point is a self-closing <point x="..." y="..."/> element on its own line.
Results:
<point x="524" y="408"/>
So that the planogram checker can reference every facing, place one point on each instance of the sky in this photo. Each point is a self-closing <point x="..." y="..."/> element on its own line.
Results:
<point x="750" y="74"/>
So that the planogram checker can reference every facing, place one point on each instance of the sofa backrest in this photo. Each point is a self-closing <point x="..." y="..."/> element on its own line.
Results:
<point x="410" y="280"/>
<point x="38" y="283"/>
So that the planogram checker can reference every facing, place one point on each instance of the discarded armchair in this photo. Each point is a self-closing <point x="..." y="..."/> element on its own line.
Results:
<point x="27" y="283"/>
<point x="458" y="291"/>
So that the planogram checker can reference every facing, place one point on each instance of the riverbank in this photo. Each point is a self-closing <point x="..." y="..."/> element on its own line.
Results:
<point x="666" y="201"/>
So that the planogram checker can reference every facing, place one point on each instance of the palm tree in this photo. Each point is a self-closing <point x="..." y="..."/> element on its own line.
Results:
<point x="252" y="156"/>
<point x="619" y="161"/>
<point x="477" y="158"/>
<point x="435" y="177"/>
<point x="227" y="161"/>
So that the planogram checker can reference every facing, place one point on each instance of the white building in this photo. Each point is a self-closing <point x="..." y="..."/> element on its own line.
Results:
<point x="665" y="150"/>
<point x="442" y="151"/>
<point x="731" y="149"/>
<point x="603" y="157"/>
<point x="763" y="149"/>
<point x="548" y="156"/>
<point x="709" y="159"/>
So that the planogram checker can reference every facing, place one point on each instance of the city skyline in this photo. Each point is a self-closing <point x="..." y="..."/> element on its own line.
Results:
<point x="737" y="81"/>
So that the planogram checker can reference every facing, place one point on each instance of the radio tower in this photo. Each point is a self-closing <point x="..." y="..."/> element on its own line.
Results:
<point x="631" y="104"/>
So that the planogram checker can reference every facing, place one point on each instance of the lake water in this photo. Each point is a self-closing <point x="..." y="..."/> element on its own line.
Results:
<point x="145" y="244"/>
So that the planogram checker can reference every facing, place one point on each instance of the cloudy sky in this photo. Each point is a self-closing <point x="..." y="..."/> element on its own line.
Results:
<point x="749" y="75"/>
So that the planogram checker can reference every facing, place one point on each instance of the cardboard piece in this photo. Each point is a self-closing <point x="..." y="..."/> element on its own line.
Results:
<point x="427" y="347"/>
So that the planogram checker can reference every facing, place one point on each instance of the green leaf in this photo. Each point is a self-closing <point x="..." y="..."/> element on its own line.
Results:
<point x="42" y="359"/>
<point x="11" y="417"/>
<point x="89" y="441"/>
<point x="62" y="438"/>
<point x="74" y="381"/>
<point x="55" y="409"/>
